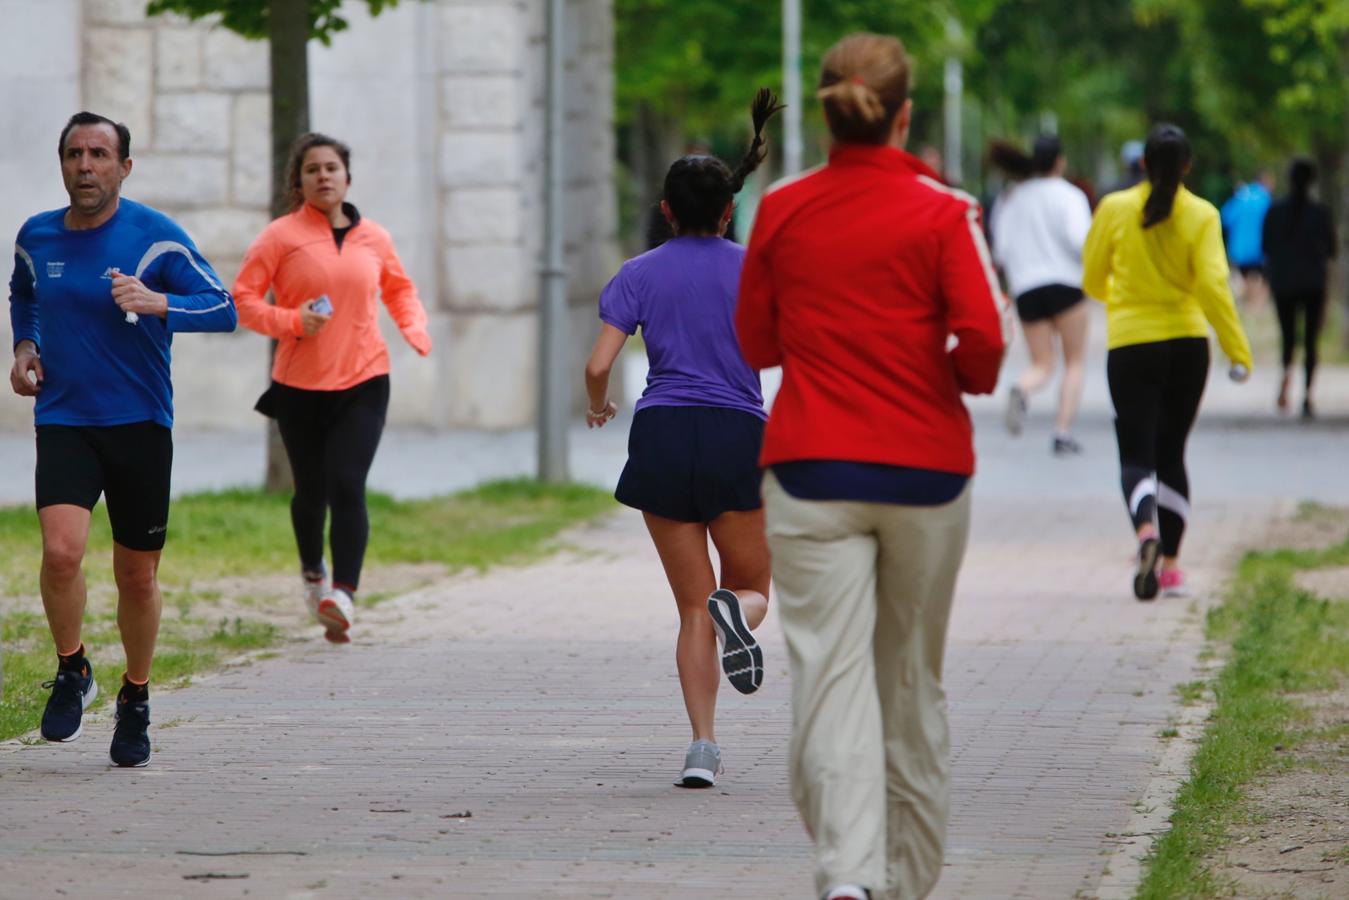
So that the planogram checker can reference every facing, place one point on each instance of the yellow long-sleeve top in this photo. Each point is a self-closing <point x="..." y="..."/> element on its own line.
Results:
<point x="1164" y="282"/>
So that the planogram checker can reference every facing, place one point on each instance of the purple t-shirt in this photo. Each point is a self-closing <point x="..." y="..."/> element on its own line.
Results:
<point x="683" y="295"/>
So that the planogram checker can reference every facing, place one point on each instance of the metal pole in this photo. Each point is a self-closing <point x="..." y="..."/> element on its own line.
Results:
<point x="554" y="381"/>
<point x="791" y="86"/>
<point x="954" y="83"/>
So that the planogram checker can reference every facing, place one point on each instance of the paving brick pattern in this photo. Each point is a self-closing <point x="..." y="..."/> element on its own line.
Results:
<point x="544" y="702"/>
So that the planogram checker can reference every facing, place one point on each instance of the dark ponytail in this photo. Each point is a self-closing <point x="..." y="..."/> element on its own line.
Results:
<point x="1166" y="156"/>
<point x="697" y="188"/>
<point x="764" y="107"/>
<point x="1011" y="159"/>
<point x="1301" y="174"/>
<point x="1017" y="164"/>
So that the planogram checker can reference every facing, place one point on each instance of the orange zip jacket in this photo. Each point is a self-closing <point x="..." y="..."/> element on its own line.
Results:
<point x="297" y="258"/>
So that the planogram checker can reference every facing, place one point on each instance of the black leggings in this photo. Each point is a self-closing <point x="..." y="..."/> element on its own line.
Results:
<point x="1312" y="304"/>
<point x="331" y="438"/>
<point x="1156" y="389"/>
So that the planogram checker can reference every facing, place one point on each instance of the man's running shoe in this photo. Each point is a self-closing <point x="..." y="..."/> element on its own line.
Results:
<point x="1066" y="446"/>
<point x="1017" y="406"/>
<point x="741" y="656"/>
<point x="316" y="590"/>
<point x="73" y="689"/>
<point x="1145" y="579"/>
<point x="335" y="613"/>
<point x="131" y="734"/>
<point x="702" y="765"/>
<point x="1172" y="583"/>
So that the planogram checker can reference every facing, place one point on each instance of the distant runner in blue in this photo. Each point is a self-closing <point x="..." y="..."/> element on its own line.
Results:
<point x="98" y="290"/>
<point x="1243" y="219"/>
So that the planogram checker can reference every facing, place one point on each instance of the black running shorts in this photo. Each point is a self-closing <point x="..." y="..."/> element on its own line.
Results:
<point x="129" y="465"/>
<point x="692" y="463"/>
<point x="1046" y="302"/>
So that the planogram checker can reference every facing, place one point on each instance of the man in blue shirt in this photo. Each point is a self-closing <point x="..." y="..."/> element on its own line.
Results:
<point x="97" y="292"/>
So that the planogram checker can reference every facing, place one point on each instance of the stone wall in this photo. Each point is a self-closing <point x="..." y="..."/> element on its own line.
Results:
<point x="442" y="103"/>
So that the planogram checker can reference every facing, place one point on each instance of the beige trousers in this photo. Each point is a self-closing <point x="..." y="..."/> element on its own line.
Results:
<point x="864" y="593"/>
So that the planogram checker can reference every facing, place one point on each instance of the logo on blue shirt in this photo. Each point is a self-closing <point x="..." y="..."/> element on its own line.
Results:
<point x="54" y="269"/>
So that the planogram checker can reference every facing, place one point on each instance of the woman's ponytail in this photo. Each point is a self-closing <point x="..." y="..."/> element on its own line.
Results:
<point x="764" y="107"/>
<point x="1166" y="157"/>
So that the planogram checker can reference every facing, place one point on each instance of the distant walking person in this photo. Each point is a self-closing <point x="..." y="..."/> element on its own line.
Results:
<point x="1039" y="225"/>
<point x="696" y="432"/>
<point x="99" y="289"/>
<point x="856" y="278"/>
<point x="1155" y="257"/>
<point x="328" y="267"/>
<point x="1243" y="218"/>
<point x="1299" y="241"/>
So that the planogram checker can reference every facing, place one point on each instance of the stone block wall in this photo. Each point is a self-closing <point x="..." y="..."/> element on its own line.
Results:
<point x="442" y="103"/>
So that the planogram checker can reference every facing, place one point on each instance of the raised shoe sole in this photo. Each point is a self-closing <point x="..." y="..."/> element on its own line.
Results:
<point x="741" y="656"/>
<point x="1145" y="579"/>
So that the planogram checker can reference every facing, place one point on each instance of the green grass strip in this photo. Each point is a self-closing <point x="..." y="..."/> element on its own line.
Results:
<point x="245" y="533"/>
<point x="1283" y="641"/>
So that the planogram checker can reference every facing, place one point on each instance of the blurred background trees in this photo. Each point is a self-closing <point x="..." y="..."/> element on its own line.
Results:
<point x="1253" y="82"/>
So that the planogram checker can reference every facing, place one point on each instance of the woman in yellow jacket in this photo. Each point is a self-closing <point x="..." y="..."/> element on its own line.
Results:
<point x="1155" y="256"/>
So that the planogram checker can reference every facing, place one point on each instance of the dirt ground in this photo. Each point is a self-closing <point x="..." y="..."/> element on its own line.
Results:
<point x="1294" y="840"/>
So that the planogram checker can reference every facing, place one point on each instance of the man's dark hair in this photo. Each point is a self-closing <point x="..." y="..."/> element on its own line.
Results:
<point x="88" y="118"/>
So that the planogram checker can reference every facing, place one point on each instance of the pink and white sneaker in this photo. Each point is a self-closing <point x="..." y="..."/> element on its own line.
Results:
<point x="1172" y="583"/>
<point x="336" y="613"/>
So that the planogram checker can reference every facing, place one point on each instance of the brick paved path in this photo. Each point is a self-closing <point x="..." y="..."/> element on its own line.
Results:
<point x="544" y="701"/>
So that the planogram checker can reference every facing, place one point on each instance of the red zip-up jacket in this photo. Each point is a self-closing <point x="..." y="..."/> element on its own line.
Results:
<point x="870" y="283"/>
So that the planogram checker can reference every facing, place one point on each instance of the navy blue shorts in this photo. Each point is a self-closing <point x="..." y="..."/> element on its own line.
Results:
<point x="692" y="463"/>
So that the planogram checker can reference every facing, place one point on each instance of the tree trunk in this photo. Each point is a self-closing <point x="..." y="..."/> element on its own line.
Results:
<point x="288" y="26"/>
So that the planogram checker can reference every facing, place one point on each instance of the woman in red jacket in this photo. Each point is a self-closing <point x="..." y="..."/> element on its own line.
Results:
<point x="327" y="268"/>
<point x="869" y="282"/>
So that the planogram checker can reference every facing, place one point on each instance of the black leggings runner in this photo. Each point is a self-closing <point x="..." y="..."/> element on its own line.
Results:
<point x="331" y="438"/>
<point x="1312" y="304"/>
<point x="1156" y="389"/>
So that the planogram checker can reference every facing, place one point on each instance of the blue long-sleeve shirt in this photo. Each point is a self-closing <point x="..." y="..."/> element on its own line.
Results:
<point x="97" y="368"/>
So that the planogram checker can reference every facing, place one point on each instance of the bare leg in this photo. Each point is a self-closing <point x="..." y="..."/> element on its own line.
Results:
<point x="138" y="607"/>
<point x="65" y="533"/>
<point x="688" y="567"/>
<point x="1040" y="342"/>
<point x="1072" y="327"/>
<point x="742" y="545"/>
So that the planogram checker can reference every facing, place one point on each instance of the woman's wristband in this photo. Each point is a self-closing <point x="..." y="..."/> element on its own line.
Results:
<point x="602" y="412"/>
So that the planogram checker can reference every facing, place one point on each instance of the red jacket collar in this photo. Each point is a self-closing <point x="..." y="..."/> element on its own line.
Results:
<point x="880" y="156"/>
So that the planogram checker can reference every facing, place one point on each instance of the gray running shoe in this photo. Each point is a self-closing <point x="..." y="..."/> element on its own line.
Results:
<point x="1017" y="404"/>
<point x="702" y="765"/>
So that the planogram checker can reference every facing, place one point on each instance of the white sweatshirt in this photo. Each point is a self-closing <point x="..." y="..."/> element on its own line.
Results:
<point x="1039" y="227"/>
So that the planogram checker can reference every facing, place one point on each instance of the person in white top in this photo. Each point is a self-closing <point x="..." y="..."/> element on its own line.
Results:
<point x="1038" y="226"/>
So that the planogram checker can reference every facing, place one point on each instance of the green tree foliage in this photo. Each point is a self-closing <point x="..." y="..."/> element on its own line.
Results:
<point x="250" y="17"/>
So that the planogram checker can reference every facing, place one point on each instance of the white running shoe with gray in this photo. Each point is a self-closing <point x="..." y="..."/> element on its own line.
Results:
<point x="702" y="765"/>
<point x="316" y="590"/>
<point x="741" y="656"/>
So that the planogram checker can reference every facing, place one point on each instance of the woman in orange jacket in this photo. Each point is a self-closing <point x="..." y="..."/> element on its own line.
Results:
<point x="325" y="266"/>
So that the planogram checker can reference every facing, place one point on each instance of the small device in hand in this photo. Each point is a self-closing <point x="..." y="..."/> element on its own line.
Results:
<point x="323" y="306"/>
<point x="131" y="318"/>
<point x="1238" y="373"/>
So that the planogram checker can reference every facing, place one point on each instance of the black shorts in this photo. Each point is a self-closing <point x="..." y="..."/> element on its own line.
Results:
<point x="1046" y="302"/>
<point x="692" y="463"/>
<point x="130" y="465"/>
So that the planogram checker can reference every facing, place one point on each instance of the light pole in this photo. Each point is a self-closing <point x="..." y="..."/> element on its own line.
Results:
<point x="791" y="86"/>
<point x="553" y="391"/>
<point x="954" y="84"/>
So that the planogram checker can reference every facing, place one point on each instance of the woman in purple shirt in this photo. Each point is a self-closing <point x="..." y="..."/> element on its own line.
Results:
<point x="693" y="449"/>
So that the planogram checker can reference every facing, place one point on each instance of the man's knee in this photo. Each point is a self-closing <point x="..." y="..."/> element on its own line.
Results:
<point x="136" y="574"/>
<point x="62" y="555"/>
